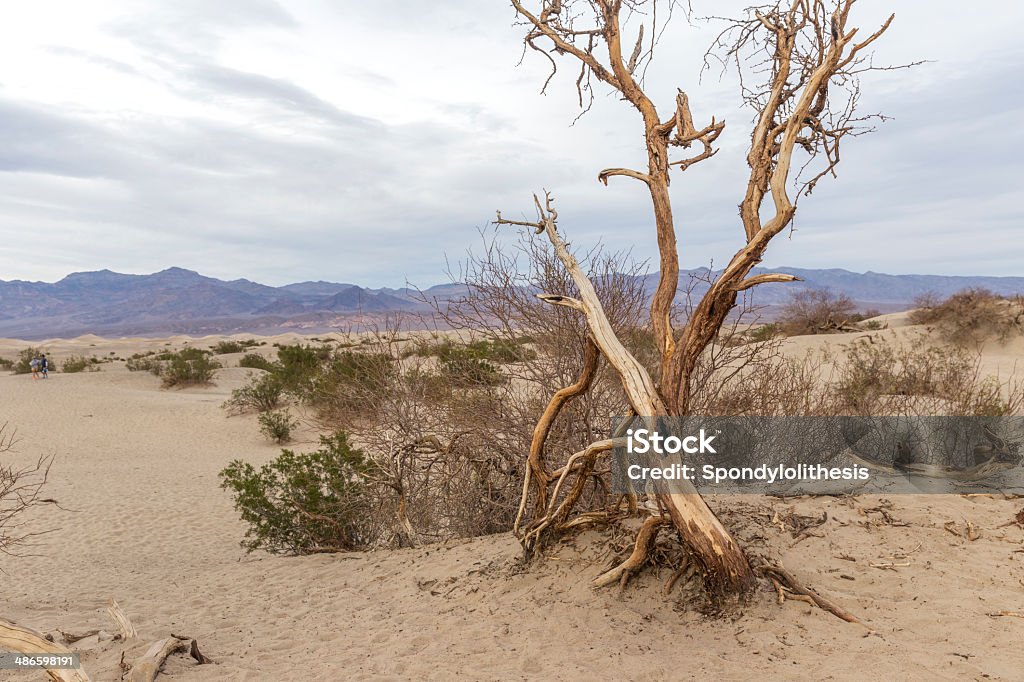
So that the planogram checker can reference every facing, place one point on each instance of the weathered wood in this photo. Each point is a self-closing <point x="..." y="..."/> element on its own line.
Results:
<point x="124" y="623"/>
<point x="24" y="640"/>
<point x="148" y="667"/>
<point x="71" y="638"/>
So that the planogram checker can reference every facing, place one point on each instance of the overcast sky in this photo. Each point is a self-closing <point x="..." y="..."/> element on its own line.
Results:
<point x="364" y="141"/>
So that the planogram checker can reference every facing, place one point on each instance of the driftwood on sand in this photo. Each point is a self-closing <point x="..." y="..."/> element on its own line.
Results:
<point x="145" y="669"/>
<point x="27" y="641"/>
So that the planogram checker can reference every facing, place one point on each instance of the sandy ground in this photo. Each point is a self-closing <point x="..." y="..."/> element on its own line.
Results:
<point x="145" y="522"/>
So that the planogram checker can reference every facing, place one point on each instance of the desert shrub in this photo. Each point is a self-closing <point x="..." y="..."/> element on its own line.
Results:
<point x="263" y="393"/>
<point x="303" y="503"/>
<point x="257" y="361"/>
<point x="25" y="355"/>
<point x="232" y="346"/>
<point x="862" y="315"/>
<point x="763" y="332"/>
<point x="143" y="363"/>
<point x="80" y="363"/>
<point x="500" y="351"/>
<point x="923" y="305"/>
<point x="919" y="378"/>
<point x="187" y="367"/>
<point x="299" y="365"/>
<point x="872" y="325"/>
<point x="971" y="316"/>
<point x="465" y="371"/>
<point x="350" y="384"/>
<point x="277" y="426"/>
<point x="6" y="363"/>
<point x="474" y="364"/>
<point x="813" y="311"/>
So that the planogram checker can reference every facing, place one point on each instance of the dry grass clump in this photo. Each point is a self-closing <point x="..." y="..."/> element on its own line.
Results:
<point x="971" y="316"/>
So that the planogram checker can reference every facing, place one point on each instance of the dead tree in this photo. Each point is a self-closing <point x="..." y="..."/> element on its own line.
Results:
<point x="808" y="60"/>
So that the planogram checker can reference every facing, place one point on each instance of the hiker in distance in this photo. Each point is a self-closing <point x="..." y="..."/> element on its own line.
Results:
<point x="33" y="364"/>
<point x="44" y="366"/>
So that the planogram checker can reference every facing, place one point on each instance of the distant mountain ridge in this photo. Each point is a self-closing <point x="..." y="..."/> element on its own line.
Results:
<point x="180" y="301"/>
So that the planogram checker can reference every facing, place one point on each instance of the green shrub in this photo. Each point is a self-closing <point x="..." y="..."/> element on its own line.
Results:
<point x="6" y="363"/>
<point x="187" y="367"/>
<point x="350" y="383"/>
<point x="21" y="366"/>
<point x="763" y="333"/>
<point x="143" y="363"/>
<point x="473" y="364"/>
<point x="257" y="361"/>
<point x="468" y="372"/>
<point x="232" y="346"/>
<point x="79" y="363"/>
<point x="299" y="365"/>
<point x="277" y="426"/>
<point x="262" y="394"/>
<point x="499" y="350"/>
<point x="304" y="503"/>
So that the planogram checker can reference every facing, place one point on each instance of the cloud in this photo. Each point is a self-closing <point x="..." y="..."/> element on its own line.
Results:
<point x="221" y="82"/>
<point x="365" y="141"/>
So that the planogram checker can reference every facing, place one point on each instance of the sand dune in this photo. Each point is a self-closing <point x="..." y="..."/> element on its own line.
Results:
<point x="144" y="521"/>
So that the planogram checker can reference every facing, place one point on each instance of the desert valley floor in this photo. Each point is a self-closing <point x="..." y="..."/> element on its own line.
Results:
<point x="142" y="520"/>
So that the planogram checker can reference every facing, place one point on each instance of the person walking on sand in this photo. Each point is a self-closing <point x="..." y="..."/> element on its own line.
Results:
<point x="33" y="365"/>
<point x="44" y="366"/>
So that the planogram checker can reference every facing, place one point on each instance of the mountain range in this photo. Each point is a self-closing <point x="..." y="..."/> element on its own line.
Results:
<point x="179" y="301"/>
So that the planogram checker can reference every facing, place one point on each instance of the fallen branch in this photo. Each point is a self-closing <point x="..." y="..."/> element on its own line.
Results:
<point x="148" y="667"/>
<point x="72" y="638"/>
<point x="786" y="579"/>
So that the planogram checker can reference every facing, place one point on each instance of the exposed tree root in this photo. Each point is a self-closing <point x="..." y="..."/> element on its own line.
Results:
<point x="687" y="571"/>
<point x="644" y="542"/>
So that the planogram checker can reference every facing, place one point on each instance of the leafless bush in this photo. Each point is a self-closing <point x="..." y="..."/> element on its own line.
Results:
<point x="20" y="489"/>
<point x="814" y="311"/>
<point x="971" y="316"/>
